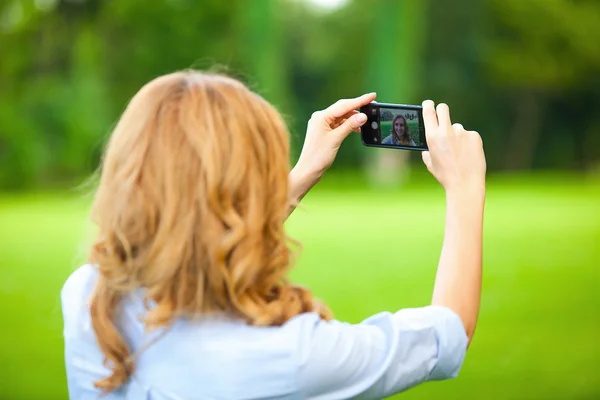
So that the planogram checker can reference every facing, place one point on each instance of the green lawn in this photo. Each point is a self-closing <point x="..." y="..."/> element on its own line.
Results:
<point x="366" y="251"/>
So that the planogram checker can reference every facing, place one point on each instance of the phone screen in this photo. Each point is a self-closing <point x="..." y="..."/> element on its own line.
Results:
<point x="397" y="126"/>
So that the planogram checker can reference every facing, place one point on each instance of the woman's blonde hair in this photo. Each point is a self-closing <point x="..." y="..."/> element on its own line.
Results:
<point x="190" y="207"/>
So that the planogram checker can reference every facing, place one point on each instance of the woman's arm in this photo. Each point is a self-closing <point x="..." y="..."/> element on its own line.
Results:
<point x="325" y="133"/>
<point x="389" y="353"/>
<point x="456" y="159"/>
<point x="300" y="182"/>
<point x="458" y="280"/>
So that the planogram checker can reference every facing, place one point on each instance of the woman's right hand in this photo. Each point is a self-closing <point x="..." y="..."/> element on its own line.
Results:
<point x="455" y="155"/>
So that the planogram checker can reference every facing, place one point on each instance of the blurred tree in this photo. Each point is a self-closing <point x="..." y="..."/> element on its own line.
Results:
<point x="544" y="50"/>
<point x="72" y="66"/>
<point x="525" y="74"/>
<point x="386" y="116"/>
<point x="394" y="48"/>
<point x="326" y="62"/>
<point x="261" y="49"/>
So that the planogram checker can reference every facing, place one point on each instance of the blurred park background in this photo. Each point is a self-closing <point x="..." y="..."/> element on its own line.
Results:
<point x="524" y="73"/>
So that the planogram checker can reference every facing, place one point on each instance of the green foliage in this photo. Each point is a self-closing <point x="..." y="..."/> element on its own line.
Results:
<point x="524" y="74"/>
<point x="551" y="45"/>
<point x="538" y="330"/>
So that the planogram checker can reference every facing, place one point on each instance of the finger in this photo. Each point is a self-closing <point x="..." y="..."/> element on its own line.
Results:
<point x="426" y="159"/>
<point x="429" y="116"/>
<point x="343" y="107"/>
<point x="350" y="125"/>
<point x="458" y="127"/>
<point x="337" y="125"/>
<point x="443" y="114"/>
<point x="341" y="122"/>
<point x="346" y="116"/>
<point x="357" y="129"/>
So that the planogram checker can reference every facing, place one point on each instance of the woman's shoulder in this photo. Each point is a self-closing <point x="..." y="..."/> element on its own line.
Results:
<point x="75" y="294"/>
<point x="80" y="282"/>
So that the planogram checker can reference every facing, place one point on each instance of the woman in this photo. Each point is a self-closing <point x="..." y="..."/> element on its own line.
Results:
<point x="186" y="295"/>
<point x="399" y="133"/>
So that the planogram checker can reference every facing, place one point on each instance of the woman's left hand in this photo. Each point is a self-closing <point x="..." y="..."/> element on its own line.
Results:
<point x="326" y="131"/>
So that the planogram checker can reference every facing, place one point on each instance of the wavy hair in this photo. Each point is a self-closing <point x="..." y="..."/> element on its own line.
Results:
<point x="405" y="138"/>
<point x="190" y="207"/>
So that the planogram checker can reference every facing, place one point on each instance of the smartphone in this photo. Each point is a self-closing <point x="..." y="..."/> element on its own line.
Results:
<point x="395" y="126"/>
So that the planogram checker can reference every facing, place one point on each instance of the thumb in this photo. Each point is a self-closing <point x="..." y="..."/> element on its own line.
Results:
<point x="351" y="124"/>
<point x="427" y="160"/>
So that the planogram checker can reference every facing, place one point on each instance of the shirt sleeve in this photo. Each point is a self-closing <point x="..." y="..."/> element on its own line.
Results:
<point x="383" y="355"/>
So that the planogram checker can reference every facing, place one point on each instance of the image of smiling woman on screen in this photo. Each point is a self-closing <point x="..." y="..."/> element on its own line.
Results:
<point x="399" y="133"/>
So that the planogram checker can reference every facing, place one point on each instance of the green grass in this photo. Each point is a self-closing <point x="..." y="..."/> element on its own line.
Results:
<point x="539" y="330"/>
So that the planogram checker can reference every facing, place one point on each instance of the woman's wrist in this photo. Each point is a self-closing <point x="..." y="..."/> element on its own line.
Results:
<point x="301" y="181"/>
<point x="466" y="196"/>
<point x="471" y="189"/>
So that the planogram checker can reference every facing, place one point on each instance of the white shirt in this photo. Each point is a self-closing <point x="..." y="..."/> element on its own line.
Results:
<point x="306" y="358"/>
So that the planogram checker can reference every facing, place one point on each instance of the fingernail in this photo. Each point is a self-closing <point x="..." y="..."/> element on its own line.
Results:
<point x="361" y="118"/>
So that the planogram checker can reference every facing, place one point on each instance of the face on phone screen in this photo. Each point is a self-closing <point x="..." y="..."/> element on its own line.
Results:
<point x="395" y="126"/>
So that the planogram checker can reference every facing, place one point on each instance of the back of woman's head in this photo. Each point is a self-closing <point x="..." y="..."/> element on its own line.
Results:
<point x="190" y="208"/>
